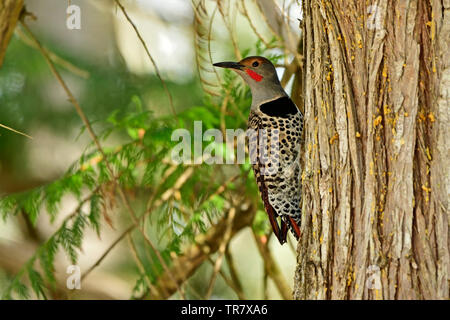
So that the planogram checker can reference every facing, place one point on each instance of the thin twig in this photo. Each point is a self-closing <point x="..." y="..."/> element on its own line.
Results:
<point x="97" y="143"/>
<point x="57" y="59"/>
<point x="266" y="20"/>
<point x="255" y="30"/>
<point x="225" y="16"/>
<point x="221" y="250"/>
<point x="265" y="285"/>
<point x="13" y="130"/>
<point x="166" y="175"/>
<point x="147" y="212"/>
<point x="222" y="187"/>
<point x="66" y="89"/>
<point x="227" y="91"/>
<point x="205" y="245"/>
<point x="272" y="268"/>
<point x="229" y="282"/>
<point x="140" y="265"/>
<point x="103" y="256"/>
<point x="170" y="192"/>
<point x="200" y="39"/>
<point x="232" y="269"/>
<point x="33" y="258"/>
<point x="291" y="38"/>
<point x="223" y="111"/>
<point x="158" y="74"/>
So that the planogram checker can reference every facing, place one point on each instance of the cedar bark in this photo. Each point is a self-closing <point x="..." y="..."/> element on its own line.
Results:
<point x="9" y="15"/>
<point x="376" y="181"/>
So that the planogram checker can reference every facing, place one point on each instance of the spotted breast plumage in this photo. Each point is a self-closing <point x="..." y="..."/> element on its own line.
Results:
<point x="275" y="131"/>
<point x="274" y="154"/>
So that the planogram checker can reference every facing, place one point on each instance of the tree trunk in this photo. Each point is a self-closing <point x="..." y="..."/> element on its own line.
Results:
<point x="376" y="181"/>
<point x="9" y="15"/>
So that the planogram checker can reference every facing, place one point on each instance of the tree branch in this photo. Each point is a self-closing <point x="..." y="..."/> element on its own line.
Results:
<point x="205" y="245"/>
<point x="272" y="269"/>
<point x="9" y="15"/>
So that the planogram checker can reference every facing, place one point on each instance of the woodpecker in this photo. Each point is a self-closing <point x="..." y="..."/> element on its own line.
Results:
<point x="275" y="125"/>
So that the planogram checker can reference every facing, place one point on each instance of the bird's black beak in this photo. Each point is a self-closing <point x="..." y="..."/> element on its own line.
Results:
<point x="229" y="65"/>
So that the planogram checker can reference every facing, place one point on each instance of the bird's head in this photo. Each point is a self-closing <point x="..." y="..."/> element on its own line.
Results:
<point x="252" y="69"/>
<point x="259" y="73"/>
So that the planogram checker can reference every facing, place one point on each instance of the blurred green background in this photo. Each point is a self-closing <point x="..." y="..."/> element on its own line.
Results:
<point x="108" y="71"/>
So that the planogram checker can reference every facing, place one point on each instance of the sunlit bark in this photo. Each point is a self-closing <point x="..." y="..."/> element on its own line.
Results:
<point x="376" y="180"/>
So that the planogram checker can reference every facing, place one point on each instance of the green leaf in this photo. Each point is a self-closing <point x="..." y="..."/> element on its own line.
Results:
<point x="19" y="288"/>
<point x="133" y="133"/>
<point x="137" y="102"/>
<point x="65" y="237"/>
<point x="37" y="283"/>
<point x="200" y="113"/>
<point x="216" y="202"/>
<point x="8" y="206"/>
<point x="95" y="215"/>
<point x="260" y="223"/>
<point x="46" y="262"/>
<point x="31" y="204"/>
<point x="78" y="229"/>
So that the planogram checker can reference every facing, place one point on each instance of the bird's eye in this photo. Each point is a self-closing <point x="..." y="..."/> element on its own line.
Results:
<point x="255" y="64"/>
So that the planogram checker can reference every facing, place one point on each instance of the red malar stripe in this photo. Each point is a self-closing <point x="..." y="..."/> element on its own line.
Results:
<point x="254" y="75"/>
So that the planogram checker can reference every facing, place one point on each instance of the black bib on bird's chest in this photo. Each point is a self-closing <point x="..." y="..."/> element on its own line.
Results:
<point x="281" y="107"/>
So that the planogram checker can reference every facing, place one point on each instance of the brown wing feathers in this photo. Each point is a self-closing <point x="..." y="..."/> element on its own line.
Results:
<point x="280" y="234"/>
<point x="286" y="219"/>
<point x="255" y="123"/>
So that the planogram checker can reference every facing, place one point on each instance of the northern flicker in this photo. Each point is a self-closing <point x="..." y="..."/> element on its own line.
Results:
<point x="276" y="127"/>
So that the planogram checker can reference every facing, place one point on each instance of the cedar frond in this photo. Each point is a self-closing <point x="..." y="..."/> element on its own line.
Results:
<point x="246" y="14"/>
<point x="202" y="40"/>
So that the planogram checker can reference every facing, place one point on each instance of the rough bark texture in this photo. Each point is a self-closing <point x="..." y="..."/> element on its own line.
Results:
<point x="376" y="180"/>
<point x="9" y="15"/>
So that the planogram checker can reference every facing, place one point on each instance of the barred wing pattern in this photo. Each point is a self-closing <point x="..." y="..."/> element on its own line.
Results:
<point x="274" y="146"/>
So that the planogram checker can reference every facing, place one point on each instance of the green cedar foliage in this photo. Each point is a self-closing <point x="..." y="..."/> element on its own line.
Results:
<point x="141" y="165"/>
